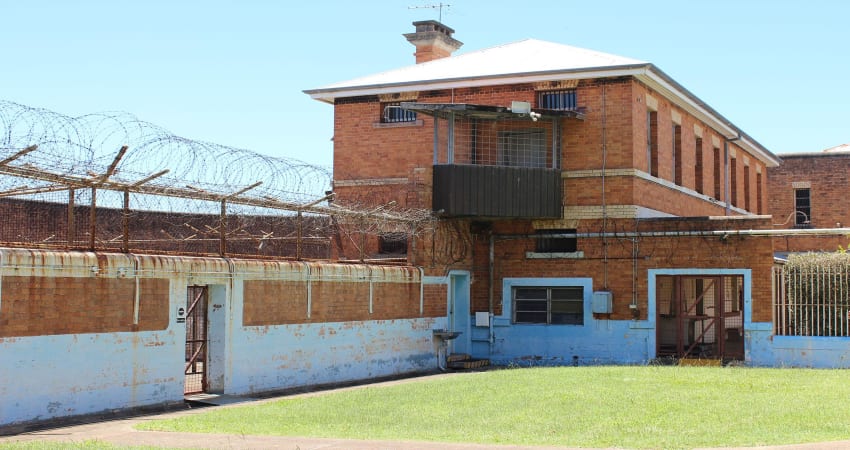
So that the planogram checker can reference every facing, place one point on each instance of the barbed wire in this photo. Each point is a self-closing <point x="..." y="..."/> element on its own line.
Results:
<point x="182" y="186"/>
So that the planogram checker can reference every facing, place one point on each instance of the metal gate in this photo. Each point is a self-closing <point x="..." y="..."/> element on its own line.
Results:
<point x="700" y="316"/>
<point x="196" y="340"/>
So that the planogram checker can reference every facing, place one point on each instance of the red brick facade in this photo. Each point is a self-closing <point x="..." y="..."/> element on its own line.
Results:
<point x="634" y="160"/>
<point x="826" y="176"/>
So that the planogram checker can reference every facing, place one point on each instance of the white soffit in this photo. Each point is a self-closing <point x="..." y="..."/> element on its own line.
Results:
<point x="529" y="61"/>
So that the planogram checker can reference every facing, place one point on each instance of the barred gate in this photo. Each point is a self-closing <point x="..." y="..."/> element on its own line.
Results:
<point x="812" y="300"/>
<point x="196" y="341"/>
<point x="700" y="316"/>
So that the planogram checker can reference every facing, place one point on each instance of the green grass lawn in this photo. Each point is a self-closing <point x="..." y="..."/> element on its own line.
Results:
<point x="632" y="407"/>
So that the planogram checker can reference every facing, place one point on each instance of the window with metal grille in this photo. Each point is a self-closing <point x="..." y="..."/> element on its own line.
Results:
<point x="564" y="100"/>
<point x="546" y="244"/>
<point x="392" y="244"/>
<point x="802" y="208"/>
<point x="549" y="305"/>
<point x="522" y="148"/>
<point x="393" y="113"/>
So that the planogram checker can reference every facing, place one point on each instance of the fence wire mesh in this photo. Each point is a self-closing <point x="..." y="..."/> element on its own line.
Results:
<point x="498" y="141"/>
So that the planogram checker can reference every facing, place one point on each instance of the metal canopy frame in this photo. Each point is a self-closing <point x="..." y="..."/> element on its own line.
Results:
<point x="486" y="112"/>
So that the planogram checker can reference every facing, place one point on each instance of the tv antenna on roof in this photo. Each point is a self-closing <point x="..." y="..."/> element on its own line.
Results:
<point x="437" y="6"/>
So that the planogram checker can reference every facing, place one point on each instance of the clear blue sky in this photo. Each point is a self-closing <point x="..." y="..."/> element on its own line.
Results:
<point x="232" y="72"/>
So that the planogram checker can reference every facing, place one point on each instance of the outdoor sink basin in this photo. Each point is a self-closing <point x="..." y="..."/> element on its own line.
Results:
<point x="446" y="335"/>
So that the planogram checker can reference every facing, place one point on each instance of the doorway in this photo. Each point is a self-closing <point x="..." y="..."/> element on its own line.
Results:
<point x="196" y="368"/>
<point x="700" y="316"/>
<point x="459" y="314"/>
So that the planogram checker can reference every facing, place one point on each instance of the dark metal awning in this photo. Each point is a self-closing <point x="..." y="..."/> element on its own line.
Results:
<point x="488" y="112"/>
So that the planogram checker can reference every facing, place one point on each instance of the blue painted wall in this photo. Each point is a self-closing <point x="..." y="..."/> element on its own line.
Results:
<point x="286" y="356"/>
<point x="766" y="350"/>
<point x="594" y="342"/>
<point x="45" y="377"/>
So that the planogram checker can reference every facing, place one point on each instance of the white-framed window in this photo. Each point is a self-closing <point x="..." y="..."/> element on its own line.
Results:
<point x="554" y="305"/>
<point x="392" y="112"/>
<point x="802" y="208"/>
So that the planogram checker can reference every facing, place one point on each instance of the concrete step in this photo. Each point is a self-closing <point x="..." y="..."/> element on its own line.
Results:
<point x="458" y="357"/>
<point x="469" y="364"/>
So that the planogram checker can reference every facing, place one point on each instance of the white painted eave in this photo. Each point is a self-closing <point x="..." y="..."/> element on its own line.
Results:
<point x="676" y="93"/>
<point x="645" y="72"/>
<point x="328" y="95"/>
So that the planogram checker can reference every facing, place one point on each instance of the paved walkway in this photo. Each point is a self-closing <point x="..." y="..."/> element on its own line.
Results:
<point x="121" y="432"/>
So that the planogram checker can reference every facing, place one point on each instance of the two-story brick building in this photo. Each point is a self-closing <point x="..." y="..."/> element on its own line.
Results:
<point x="592" y="209"/>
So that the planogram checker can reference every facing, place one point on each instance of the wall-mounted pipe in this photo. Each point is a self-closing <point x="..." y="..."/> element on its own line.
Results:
<point x="492" y="311"/>
<point x="421" y="291"/>
<point x="705" y="233"/>
<point x="137" y="294"/>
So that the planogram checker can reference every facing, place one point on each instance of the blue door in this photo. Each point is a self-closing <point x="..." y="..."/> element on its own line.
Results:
<point x="459" y="316"/>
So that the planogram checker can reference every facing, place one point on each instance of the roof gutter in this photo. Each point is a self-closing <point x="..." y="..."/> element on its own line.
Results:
<point x="674" y="91"/>
<point x="329" y="94"/>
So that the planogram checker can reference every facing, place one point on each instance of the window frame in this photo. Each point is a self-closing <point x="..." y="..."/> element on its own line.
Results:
<point x="558" y="100"/>
<point x="804" y="221"/>
<point x="522" y="148"/>
<point x="572" y="311"/>
<point x="652" y="142"/>
<point x="545" y="244"/>
<point x="406" y="116"/>
<point x="393" y="244"/>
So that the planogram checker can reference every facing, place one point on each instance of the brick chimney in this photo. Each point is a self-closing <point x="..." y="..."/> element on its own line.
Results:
<point x="433" y="40"/>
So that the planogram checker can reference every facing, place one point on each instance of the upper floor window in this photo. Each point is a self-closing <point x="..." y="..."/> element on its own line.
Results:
<point x="522" y="148"/>
<point x="549" y="305"/>
<point x="698" y="167"/>
<point x="563" y="100"/>
<point x="717" y="171"/>
<point x="393" y="113"/>
<point x="652" y="142"/>
<point x="802" y="208"/>
<point x="677" y="154"/>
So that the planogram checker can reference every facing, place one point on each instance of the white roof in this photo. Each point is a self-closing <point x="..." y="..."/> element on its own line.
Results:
<point x="838" y="149"/>
<point x="522" y="57"/>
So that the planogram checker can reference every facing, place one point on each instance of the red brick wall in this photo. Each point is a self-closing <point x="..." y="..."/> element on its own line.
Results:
<point x="42" y="224"/>
<point x="364" y="149"/>
<point x="732" y="252"/>
<point x="274" y="302"/>
<point x="35" y="306"/>
<point x="829" y="177"/>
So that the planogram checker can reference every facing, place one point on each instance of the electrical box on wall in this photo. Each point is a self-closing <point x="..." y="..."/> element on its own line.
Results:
<point x="601" y="303"/>
<point x="482" y="319"/>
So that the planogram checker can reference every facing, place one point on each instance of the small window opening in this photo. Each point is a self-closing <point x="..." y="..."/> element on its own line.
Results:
<point x="392" y="244"/>
<point x="564" y="100"/>
<point x="802" y="208"/>
<point x="393" y="113"/>
<point x="556" y="244"/>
